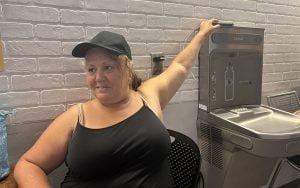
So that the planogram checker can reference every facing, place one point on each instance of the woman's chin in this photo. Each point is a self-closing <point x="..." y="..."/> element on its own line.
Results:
<point x="102" y="95"/>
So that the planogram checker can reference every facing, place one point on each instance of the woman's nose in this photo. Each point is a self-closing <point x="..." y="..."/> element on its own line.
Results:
<point x="100" y="75"/>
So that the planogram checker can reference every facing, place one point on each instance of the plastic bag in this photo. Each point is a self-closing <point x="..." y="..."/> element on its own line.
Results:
<point x="4" y="164"/>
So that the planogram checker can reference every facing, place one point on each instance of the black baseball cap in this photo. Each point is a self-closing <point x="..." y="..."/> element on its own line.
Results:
<point x="112" y="42"/>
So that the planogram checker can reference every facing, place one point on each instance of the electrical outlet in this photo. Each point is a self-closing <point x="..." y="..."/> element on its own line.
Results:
<point x="157" y="62"/>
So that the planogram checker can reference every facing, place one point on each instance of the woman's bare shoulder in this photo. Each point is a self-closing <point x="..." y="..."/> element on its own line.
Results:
<point x="68" y="118"/>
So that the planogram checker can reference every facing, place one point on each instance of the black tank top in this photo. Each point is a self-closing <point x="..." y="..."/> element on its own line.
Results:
<point x="129" y="154"/>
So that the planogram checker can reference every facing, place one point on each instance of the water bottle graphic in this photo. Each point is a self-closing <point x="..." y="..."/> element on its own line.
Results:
<point x="229" y="83"/>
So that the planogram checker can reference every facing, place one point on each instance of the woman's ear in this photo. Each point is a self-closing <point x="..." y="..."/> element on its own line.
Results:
<point x="130" y="79"/>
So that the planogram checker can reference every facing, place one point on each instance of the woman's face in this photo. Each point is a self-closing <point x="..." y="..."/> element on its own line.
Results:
<point x="104" y="76"/>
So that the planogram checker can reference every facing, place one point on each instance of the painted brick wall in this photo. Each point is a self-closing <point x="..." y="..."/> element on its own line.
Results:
<point x="41" y="78"/>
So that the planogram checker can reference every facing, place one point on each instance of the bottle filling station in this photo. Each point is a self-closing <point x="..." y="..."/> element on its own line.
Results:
<point x="243" y="143"/>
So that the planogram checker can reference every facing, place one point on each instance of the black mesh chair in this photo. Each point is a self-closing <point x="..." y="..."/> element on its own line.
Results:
<point x="185" y="161"/>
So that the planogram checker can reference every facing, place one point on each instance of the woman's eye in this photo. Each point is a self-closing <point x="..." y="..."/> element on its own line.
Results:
<point x="108" y="68"/>
<point x="91" y="70"/>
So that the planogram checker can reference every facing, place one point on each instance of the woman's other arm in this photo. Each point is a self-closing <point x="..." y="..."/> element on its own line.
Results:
<point x="47" y="153"/>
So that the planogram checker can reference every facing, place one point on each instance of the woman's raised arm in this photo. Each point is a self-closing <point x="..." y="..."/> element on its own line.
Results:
<point x="164" y="86"/>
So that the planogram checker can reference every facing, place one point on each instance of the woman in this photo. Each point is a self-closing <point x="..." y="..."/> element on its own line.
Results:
<point x="118" y="138"/>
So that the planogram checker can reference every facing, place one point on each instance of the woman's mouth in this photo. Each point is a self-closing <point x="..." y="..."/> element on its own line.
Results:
<point x="102" y="88"/>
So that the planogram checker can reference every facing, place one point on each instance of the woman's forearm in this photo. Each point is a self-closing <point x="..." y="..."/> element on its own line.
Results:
<point x="28" y="175"/>
<point x="187" y="56"/>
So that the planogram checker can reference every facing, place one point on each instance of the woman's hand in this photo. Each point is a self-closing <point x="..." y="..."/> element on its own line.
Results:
<point x="207" y="26"/>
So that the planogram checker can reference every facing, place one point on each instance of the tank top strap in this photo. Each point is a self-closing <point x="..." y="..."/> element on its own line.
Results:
<point x="146" y="103"/>
<point x="80" y="113"/>
<point x="144" y="100"/>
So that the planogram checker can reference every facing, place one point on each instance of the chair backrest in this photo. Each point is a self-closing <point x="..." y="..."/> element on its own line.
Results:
<point x="288" y="101"/>
<point x="185" y="160"/>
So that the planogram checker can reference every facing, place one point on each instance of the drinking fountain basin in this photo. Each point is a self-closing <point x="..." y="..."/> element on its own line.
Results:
<point x="264" y="120"/>
<point x="259" y="129"/>
<point x="258" y="121"/>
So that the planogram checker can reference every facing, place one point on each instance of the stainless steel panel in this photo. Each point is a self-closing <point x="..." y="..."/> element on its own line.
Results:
<point x="230" y="68"/>
<point x="262" y="120"/>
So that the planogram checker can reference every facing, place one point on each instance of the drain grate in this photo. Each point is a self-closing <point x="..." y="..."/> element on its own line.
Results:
<point x="211" y="145"/>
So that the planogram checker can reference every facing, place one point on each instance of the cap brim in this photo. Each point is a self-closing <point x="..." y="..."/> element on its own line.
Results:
<point x="81" y="49"/>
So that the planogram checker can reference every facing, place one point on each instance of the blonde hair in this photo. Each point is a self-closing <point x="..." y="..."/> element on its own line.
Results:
<point x="127" y="66"/>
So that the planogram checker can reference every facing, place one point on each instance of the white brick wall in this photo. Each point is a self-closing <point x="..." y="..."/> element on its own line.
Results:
<point x="20" y="13"/>
<point x="107" y="5"/>
<point x="44" y="32"/>
<point x="12" y="30"/>
<point x="126" y="20"/>
<point x="83" y="17"/>
<point x="42" y="79"/>
<point x="146" y="7"/>
<point x="33" y="48"/>
<point x="4" y="83"/>
<point x="20" y="65"/>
